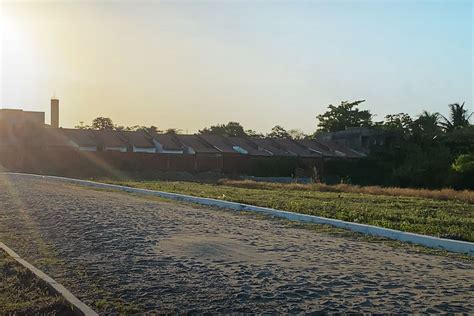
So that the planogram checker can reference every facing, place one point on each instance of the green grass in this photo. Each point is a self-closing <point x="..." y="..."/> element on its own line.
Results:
<point x="22" y="293"/>
<point x="441" y="218"/>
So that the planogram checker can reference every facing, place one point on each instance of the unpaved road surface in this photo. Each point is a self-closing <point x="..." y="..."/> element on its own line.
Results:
<point x="115" y="250"/>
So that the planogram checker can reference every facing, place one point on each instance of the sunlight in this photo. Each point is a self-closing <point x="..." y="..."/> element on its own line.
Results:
<point x="22" y="215"/>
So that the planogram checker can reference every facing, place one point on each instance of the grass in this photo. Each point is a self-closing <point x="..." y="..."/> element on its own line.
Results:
<point x="22" y="293"/>
<point x="443" y="194"/>
<point x="441" y="217"/>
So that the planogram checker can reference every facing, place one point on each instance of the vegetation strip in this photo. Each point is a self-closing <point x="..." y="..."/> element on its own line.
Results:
<point x="79" y="307"/>
<point x="453" y="219"/>
<point x="427" y="241"/>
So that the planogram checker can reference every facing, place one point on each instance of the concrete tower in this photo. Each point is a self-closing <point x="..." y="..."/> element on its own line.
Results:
<point x="54" y="113"/>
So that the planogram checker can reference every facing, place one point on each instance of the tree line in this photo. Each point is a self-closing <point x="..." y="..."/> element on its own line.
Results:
<point x="230" y="129"/>
<point x="336" y="118"/>
<point x="429" y="150"/>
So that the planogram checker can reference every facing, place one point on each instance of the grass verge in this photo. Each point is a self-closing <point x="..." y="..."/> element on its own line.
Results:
<point x="21" y="293"/>
<point x="452" y="219"/>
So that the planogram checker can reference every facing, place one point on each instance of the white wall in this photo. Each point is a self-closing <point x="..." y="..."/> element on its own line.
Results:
<point x="121" y="149"/>
<point x="90" y="148"/>
<point x="143" y="150"/>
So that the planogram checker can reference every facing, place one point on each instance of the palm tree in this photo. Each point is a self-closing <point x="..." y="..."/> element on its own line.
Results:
<point x="427" y="122"/>
<point x="458" y="117"/>
<point x="426" y="127"/>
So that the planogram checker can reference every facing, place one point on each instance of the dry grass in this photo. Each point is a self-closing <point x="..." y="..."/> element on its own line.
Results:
<point x="443" y="194"/>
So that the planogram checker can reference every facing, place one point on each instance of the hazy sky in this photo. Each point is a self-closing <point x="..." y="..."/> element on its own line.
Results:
<point x="190" y="64"/>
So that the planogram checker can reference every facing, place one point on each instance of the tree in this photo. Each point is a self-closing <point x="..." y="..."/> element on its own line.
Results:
<point x="400" y="121"/>
<point x="458" y="117"/>
<point x="463" y="168"/>
<point x="278" y="132"/>
<point x="102" y="123"/>
<point x="400" y="124"/>
<point x="252" y="133"/>
<point x="150" y="129"/>
<point x="464" y="163"/>
<point x="234" y="129"/>
<point x="426" y="126"/>
<point x="297" y="134"/>
<point x="133" y="128"/>
<point x="460" y="141"/>
<point x="229" y="129"/>
<point x="343" y="116"/>
<point x="82" y="126"/>
<point x="173" y="131"/>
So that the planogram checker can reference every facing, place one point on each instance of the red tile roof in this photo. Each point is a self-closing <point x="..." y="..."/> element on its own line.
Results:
<point x="197" y="144"/>
<point x="81" y="137"/>
<point x="340" y="149"/>
<point x="110" y="138"/>
<point x="251" y="147"/>
<point x="54" y="137"/>
<point x="270" y="145"/>
<point x="296" y="148"/>
<point x="318" y="147"/>
<point x="168" y="141"/>
<point x="138" y="139"/>
<point x="221" y="143"/>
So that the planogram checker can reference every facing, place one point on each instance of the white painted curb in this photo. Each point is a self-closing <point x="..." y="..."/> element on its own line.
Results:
<point x="427" y="241"/>
<point x="79" y="307"/>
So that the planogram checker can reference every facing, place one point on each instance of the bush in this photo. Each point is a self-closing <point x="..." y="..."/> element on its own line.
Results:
<point x="464" y="163"/>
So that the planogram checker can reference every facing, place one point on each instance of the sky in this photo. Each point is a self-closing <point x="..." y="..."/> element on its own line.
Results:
<point x="191" y="64"/>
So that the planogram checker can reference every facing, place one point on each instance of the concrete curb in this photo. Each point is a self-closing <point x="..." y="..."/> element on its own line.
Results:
<point x="79" y="307"/>
<point x="427" y="241"/>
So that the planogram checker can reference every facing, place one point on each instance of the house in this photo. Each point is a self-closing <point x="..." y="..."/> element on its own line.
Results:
<point x="167" y="144"/>
<point x="12" y="117"/>
<point x="340" y="150"/>
<point x="81" y="139"/>
<point x="139" y="141"/>
<point x="223" y="144"/>
<point x="296" y="148"/>
<point x="55" y="139"/>
<point x="8" y="139"/>
<point x="20" y="128"/>
<point x="330" y="149"/>
<point x="318" y="148"/>
<point x="251" y="148"/>
<point x="269" y="145"/>
<point x="193" y="144"/>
<point x="110" y="140"/>
<point x="360" y="139"/>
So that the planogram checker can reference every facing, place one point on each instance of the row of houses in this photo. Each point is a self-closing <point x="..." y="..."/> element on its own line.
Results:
<point x="25" y="128"/>
<point x="28" y="144"/>
<point x="145" y="142"/>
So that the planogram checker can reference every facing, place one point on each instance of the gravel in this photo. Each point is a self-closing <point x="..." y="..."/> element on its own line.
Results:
<point x="123" y="252"/>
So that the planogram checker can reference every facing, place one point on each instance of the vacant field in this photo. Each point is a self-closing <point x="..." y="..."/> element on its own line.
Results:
<point x="437" y="217"/>
<point x="22" y="293"/>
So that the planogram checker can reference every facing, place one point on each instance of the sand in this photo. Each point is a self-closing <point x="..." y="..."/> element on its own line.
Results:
<point x="172" y="257"/>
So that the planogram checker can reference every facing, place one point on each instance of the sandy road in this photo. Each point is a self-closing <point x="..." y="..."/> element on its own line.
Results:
<point x="170" y="257"/>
